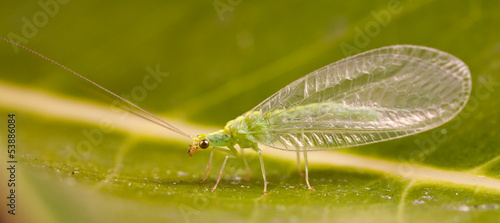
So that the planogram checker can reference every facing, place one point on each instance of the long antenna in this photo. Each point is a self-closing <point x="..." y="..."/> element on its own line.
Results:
<point x="156" y="119"/>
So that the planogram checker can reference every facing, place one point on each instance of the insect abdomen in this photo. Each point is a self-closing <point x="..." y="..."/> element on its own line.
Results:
<point x="323" y="111"/>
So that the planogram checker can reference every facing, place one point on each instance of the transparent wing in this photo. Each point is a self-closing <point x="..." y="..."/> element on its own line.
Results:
<point x="374" y="96"/>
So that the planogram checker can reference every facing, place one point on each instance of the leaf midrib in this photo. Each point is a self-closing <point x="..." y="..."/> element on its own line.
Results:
<point x="65" y="108"/>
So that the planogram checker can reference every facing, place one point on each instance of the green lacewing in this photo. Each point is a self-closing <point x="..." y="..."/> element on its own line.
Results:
<point x="378" y="95"/>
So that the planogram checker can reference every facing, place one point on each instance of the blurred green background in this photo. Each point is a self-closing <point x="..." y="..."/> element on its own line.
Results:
<point x="223" y="57"/>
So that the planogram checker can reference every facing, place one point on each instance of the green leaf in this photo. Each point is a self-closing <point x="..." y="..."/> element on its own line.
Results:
<point x="82" y="160"/>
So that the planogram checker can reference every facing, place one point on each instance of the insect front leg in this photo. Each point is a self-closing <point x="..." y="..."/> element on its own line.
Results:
<point x="222" y="170"/>
<point x="209" y="164"/>
<point x="232" y="155"/>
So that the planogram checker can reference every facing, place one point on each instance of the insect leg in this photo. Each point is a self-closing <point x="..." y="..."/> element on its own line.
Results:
<point x="298" y="164"/>
<point x="261" y="167"/>
<point x="222" y="170"/>
<point x="307" y="171"/>
<point x="246" y="164"/>
<point x="209" y="164"/>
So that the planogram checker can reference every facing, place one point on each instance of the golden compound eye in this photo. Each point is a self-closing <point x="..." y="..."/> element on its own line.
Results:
<point x="204" y="144"/>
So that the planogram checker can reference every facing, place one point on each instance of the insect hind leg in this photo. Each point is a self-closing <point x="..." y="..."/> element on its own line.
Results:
<point x="298" y="164"/>
<point x="307" y="169"/>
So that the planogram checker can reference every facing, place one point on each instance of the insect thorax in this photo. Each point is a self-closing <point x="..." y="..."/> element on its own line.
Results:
<point x="220" y="138"/>
<point x="239" y="131"/>
<point x="247" y="123"/>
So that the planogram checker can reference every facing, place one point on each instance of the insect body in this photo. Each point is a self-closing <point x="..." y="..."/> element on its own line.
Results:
<point x="374" y="96"/>
<point x="253" y="127"/>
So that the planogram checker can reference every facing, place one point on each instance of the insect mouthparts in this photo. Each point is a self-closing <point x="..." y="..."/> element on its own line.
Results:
<point x="191" y="150"/>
